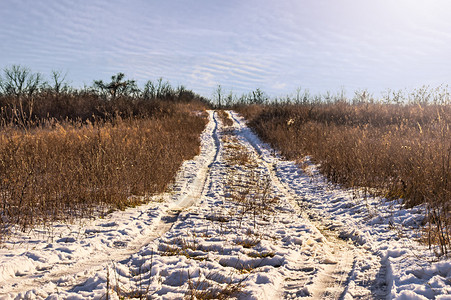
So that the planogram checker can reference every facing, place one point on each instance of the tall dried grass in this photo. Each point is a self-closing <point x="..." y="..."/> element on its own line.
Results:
<point x="60" y="170"/>
<point x="393" y="150"/>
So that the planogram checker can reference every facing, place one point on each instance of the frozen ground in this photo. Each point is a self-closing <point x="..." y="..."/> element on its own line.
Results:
<point x="239" y="222"/>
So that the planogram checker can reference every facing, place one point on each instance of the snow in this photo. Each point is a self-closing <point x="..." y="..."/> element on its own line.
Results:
<point x="313" y="240"/>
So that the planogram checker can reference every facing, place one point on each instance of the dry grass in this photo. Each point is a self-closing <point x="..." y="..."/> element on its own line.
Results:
<point x="225" y="118"/>
<point x="250" y="190"/>
<point x="393" y="150"/>
<point x="65" y="170"/>
<point x="210" y="287"/>
<point x="236" y="154"/>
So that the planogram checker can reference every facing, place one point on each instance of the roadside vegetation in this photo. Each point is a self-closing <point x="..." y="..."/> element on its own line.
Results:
<point x="398" y="148"/>
<point x="68" y="153"/>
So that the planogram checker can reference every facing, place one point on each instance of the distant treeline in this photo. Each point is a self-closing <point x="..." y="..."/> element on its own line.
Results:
<point x="425" y="95"/>
<point x="27" y="97"/>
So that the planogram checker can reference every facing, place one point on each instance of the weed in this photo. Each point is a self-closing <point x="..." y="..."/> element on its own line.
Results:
<point x="248" y="242"/>
<point x="69" y="170"/>
<point x="389" y="149"/>
<point x="214" y="286"/>
<point x="261" y="254"/>
<point x="251" y="190"/>
<point x="225" y="118"/>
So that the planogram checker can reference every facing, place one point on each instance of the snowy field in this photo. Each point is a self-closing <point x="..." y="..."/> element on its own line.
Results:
<point x="238" y="222"/>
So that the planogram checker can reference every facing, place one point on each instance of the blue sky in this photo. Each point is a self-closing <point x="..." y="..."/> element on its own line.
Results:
<point x="277" y="46"/>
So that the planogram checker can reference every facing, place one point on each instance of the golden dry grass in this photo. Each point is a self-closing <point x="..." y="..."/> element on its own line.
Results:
<point x="225" y="118"/>
<point x="393" y="150"/>
<point x="65" y="170"/>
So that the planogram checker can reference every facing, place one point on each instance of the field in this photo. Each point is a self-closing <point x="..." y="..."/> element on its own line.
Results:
<point x="113" y="192"/>
<point x="69" y="170"/>
<point x="68" y="154"/>
<point x="394" y="151"/>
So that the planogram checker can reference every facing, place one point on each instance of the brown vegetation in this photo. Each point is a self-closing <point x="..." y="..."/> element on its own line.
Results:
<point x="225" y="118"/>
<point x="393" y="150"/>
<point x="67" y="153"/>
<point x="249" y="190"/>
<point x="71" y="169"/>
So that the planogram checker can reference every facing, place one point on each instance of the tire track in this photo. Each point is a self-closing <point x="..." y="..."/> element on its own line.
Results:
<point x="333" y="279"/>
<point x="190" y="186"/>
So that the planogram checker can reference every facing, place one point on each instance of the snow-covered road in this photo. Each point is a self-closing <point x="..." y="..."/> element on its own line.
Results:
<point x="239" y="221"/>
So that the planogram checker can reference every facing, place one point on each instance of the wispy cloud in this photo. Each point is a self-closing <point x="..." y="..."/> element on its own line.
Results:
<point x="276" y="46"/>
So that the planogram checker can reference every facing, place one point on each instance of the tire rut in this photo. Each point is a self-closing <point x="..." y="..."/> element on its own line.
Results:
<point x="69" y="275"/>
<point x="332" y="280"/>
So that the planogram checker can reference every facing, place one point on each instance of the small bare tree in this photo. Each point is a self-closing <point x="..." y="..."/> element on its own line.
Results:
<point x="20" y="85"/>
<point x="229" y="99"/>
<point x="19" y="81"/>
<point x="59" y="82"/>
<point x="118" y="86"/>
<point x="163" y="89"/>
<point x="218" y="95"/>
<point x="259" y="97"/>
<point x="149" y="91"/>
